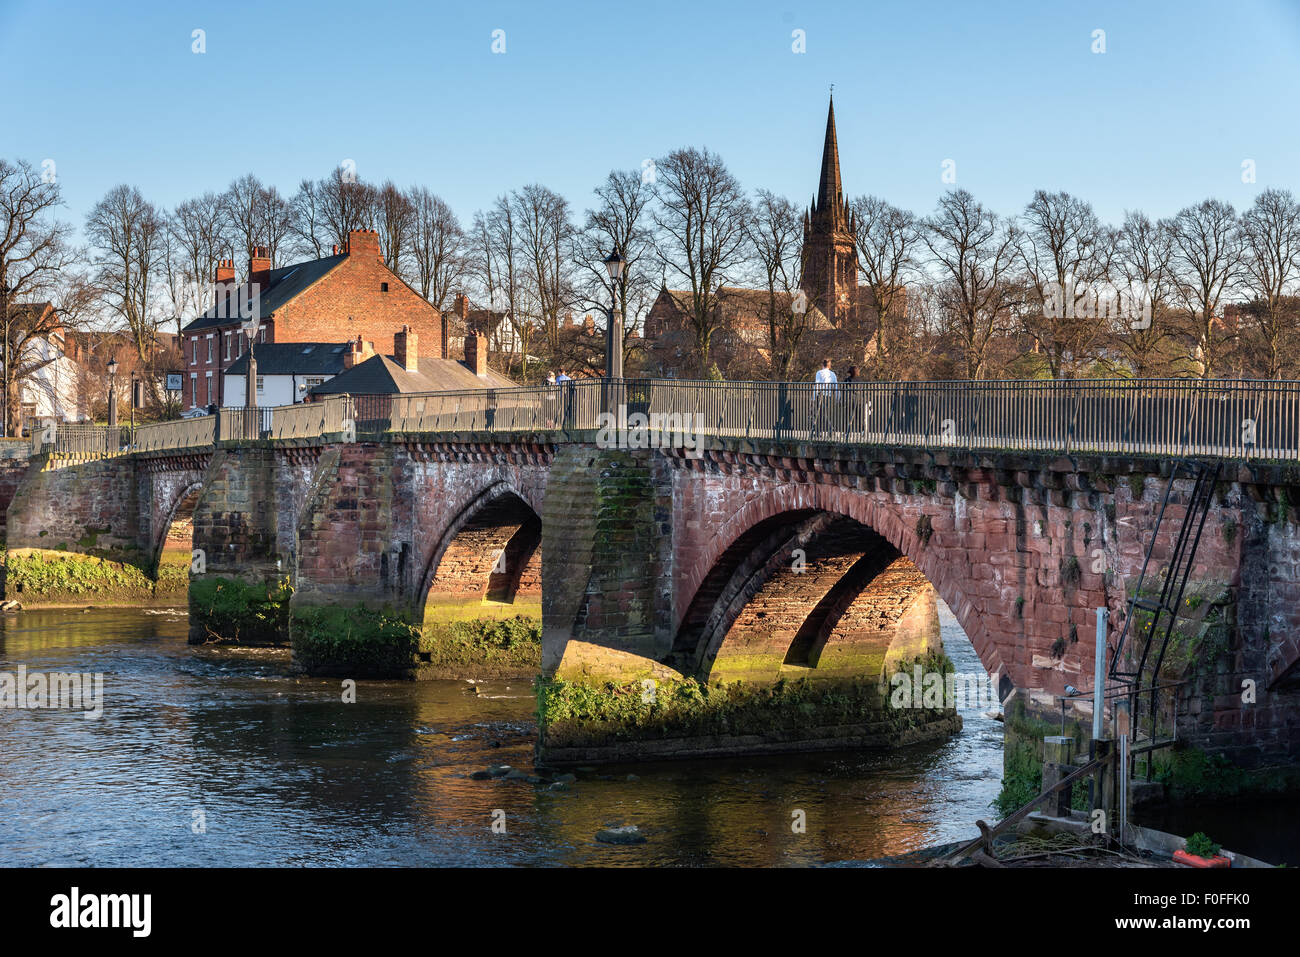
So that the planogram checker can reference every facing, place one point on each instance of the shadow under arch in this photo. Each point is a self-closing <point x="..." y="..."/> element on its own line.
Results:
<point x="755" y="541"/>
<point x="489" y="556"/>
<point x="180" y="510"/>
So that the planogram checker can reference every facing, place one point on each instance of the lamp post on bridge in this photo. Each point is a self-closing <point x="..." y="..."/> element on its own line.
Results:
<point x="135" y="400"/>
<point x="250" y="384"/>
<point x="614" y="265"/>
<point x="112" y="439"/>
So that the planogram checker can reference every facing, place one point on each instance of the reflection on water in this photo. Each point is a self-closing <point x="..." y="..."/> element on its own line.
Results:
<point x="211" y="756"/>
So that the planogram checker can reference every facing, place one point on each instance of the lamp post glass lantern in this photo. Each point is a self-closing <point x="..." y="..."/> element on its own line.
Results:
<point x="250" y="381"/>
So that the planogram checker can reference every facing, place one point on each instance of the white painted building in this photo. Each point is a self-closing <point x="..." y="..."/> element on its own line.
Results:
<point x="53" y="390"/>
<point x="285" y="372"/>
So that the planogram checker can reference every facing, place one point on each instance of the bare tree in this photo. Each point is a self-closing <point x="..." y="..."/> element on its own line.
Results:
<point x="257" y="215"/>
<point x="196" y="245"/>
<point x="438" y="246"/>
<point x="887" y="245"/>
<point x="34" y="252"/>
<point x="1207" y="262"/>
<point x="619" y="222"/>
<point x="1143" y="254"/>
<point x="974" y="252"/>
<point x="501" y="263"/>
<point x="345" y="203"/>
<point x="277" y="226"/>
<point x="307" y="221"/>
<point x="775" y="232"/>
<point x="243" y="209"/>
<point x="1065" y="252"/>
<point x="395" y="220"/>
<point x="129" y="236"/>
<point x="545" y="231"/>
<point x="701" y="215"/>
<point x="1271" y="235"/>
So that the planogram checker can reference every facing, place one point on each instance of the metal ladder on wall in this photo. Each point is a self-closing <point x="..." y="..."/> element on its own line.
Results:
<point x="1150" y="621"/>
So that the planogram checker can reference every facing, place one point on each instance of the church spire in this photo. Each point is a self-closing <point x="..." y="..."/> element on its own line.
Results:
<point x="829" y="188"/>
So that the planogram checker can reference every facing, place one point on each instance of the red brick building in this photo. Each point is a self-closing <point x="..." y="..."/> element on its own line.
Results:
<point x="335" y="299"/>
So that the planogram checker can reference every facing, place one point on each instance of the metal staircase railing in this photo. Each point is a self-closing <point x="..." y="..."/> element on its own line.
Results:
<point x="1149" y="625"/>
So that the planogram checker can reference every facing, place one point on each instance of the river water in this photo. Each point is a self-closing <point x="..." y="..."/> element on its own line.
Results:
<point x="218" y="756"/>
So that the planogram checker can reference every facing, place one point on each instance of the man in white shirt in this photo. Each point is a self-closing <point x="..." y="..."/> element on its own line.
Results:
<point x="825" y="387"/>
<point x="565" y="388"/>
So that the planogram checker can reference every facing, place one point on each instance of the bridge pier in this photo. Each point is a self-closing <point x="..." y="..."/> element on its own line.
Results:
<point x="241" y="579"/>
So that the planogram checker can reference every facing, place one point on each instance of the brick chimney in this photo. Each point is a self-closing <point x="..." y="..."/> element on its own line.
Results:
<point x="476" y="353"/>
<point x="224" y="277"/>
<point x="359" y="352"/>
<point x="461" y="307"/>
<point x="363" y="242"/>
<point x="406" y="349"/>
<point x="259" y="266"/>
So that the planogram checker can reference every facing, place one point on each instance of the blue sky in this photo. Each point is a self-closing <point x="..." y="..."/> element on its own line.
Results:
<point x="1012" y="92"/>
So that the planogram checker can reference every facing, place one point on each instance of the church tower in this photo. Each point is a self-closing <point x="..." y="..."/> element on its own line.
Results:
<point x="830" y="248"/>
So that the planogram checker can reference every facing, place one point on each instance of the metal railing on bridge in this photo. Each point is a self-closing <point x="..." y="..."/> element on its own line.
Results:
<point x="1177" y="417"/>
<point x="1229" y="419"/>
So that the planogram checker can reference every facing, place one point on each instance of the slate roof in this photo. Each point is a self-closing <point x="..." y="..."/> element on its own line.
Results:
<point x="282" y="285"/>
<point x="294" y="358"/>
<point x="381" y="375"/>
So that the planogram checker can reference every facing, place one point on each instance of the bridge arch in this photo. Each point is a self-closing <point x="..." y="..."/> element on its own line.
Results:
<point x="180" y="508"/>
<point x="488" y="556"/>
<point x="753" y="549"/>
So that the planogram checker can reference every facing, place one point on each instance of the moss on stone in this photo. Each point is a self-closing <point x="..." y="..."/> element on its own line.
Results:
<point x="235" y="611"/>
<point x="577" y="714"/>
<point x="42" y="576"/>
<point x="481" y="648"/>
<point x="354" y="641"/>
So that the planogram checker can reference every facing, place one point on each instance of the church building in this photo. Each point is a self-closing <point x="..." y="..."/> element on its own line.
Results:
<point x="829" y="279"/>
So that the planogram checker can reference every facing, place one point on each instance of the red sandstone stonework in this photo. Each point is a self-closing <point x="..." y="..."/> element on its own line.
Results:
<point x="1023" y="549"/>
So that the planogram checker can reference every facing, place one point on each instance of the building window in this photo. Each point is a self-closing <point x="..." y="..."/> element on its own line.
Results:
<point x="239" y="336"/>
<point x="226" y="336"/>
<point x="209" y="348"/>
<point x="194" y="350"/>
<point x="194" y="384"/>
<point x="208" y="376"/>
<point x="261" y="334"/>
<point x="261" y="385"/>
<point x="383" y="287"/>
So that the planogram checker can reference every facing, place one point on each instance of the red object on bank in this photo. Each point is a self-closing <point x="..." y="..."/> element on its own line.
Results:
<point x="1191" y="860"/>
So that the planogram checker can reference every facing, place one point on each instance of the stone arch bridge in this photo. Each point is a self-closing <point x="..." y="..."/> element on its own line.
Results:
<point x="765" y="545"/>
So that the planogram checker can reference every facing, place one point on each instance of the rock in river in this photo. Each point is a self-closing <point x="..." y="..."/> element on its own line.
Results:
<point x="629" y="834"/>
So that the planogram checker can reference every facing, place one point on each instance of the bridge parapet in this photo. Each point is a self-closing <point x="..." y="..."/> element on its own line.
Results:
<point x="1242" y="420"/>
